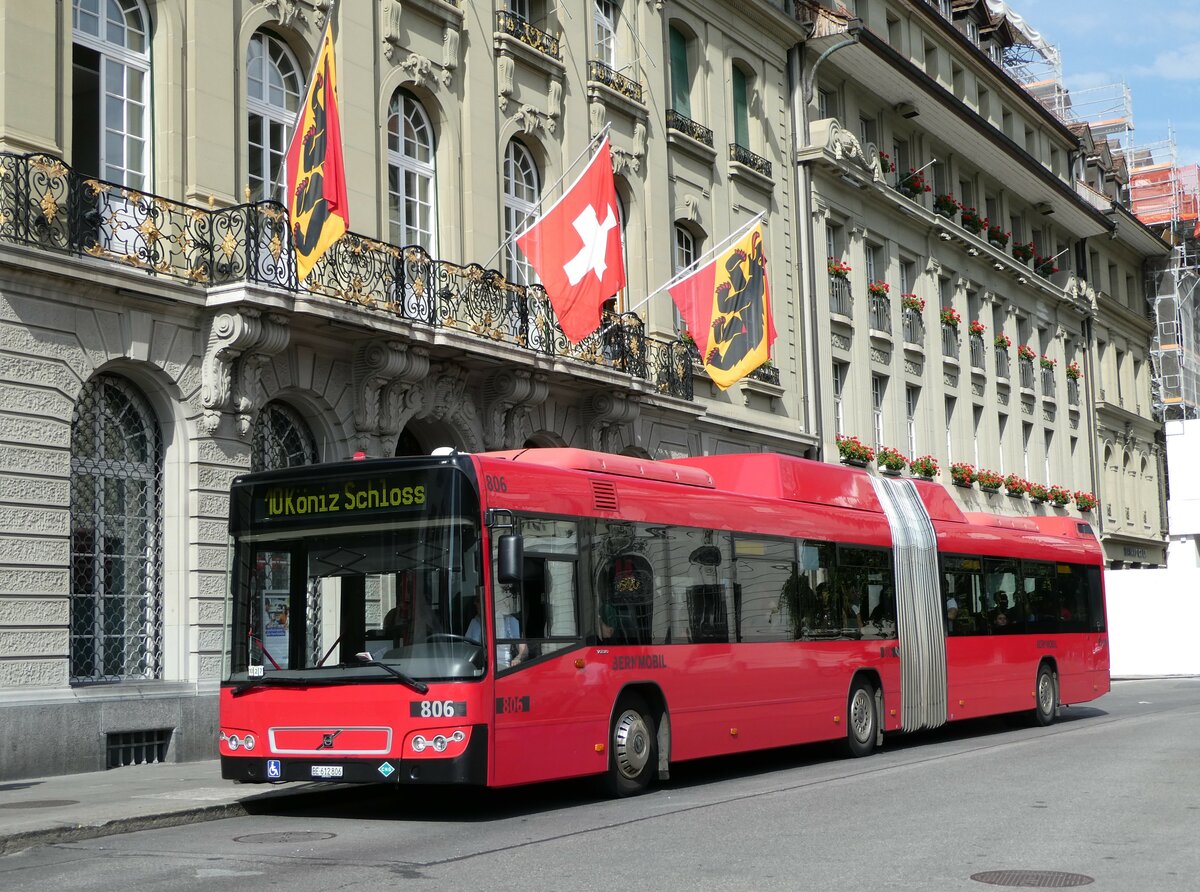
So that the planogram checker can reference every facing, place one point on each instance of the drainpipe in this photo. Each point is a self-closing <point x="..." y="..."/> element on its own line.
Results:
<point x="801" y="86"/>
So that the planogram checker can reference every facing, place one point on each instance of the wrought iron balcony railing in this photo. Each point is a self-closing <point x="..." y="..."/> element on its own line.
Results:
<point x="1048" y="383"/>
<point x="840" y="299"/>
<point x="978" y="352"/>
<point x="767" y="372"/>
<point x="881" y="313"/>
<point x="1026" y="368"/>
<point x="949" y="341"/>
<point x="688" y="127"/>
<point x="1002" y="363"/>
<point x="914" y="327"/>
<point x="1073" y="391"/>
<point x="517" y="27"/>
<point x="614" y="80"/>
<point x="742" y="155"/>
<point x="46" y="205"/>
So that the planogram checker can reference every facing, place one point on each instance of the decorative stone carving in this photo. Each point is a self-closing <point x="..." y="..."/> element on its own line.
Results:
<point x="450" y="41"/>
<point x="625" y="162"/>
<point x="378" y="364"/>
<point x="530" y="119"/>
<point x="597" y="114"/>
<point x="392" y="40"/>
<point x="949" y="379"/>
<point x="841" y="342"/>
<point x="508" y="398"/>
<point x="976" y="388"/>
<point x="554" y="99"/>
<point x="1002" y="398"/>
<point x="880" y="356"/>
<point x="1026" y="408"/>
<point x="837" y="144"/>
<point x="423" y="72"/>
<point x="505" y="67"/>
<point x="603" y="415"/>
<point x="912" y="368"/>
<point x="286" y="11"/>
<point x="239" y="343"/>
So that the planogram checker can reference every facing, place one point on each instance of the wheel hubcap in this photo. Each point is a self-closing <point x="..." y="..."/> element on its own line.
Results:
<point x="862" y="715"/>
<point x="1046" y="694"/>
<point x="631" y="744"/>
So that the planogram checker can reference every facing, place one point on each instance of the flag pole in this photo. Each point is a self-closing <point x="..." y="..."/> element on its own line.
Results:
<point x="598" y="138"/>
<point x="697" y="264"/>
<point x="693" y="267"/>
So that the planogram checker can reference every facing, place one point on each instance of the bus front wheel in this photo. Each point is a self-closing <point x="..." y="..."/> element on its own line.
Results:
<point x="862" y="719"/>
<point x="1046" y="693"/>
<point x="633" y="747"/>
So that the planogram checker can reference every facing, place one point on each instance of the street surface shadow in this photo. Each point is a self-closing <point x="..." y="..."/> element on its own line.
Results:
<point x="389" y="802"/>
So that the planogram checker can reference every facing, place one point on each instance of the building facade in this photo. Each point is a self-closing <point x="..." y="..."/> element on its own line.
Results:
<point x="155" y="342"/>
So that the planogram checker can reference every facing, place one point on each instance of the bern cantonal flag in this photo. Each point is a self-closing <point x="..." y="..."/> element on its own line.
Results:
<point x="726" y="305"/>
<point x="575" y="248"/>
<point x="320" y="214"/>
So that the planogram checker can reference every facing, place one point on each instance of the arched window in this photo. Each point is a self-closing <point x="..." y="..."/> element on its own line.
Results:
<point x="412" y="195"/>
<point x="111" y="91"/>
<point x="522" y="188"/>
<point x="281" y="440"/>
<point x="273" y="85"/>
<point x="116" y="535"/>
<point x="684" y="256"/>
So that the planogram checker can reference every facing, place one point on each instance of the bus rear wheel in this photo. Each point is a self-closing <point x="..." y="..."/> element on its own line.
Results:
<point x="862" y="719"/>
<point x="1046" y="693"/>
<point x="633" y="748"/>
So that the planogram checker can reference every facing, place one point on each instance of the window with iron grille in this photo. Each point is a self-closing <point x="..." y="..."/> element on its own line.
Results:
<point x="281" y="439"/>
<point x="116" y="535"/>
<point x="137" y="747"/>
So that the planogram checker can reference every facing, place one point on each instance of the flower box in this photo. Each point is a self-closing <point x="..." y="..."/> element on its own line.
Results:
<point x="998" y="237"/>
<point x="977" y="328"/>
<point x="891" y="459"/>
<point x="950" y="317"/>
<point x="1015" y="486"/>
<point x="962" y="474"/>
<point x="1026" y="352"/>
<point x="971" y="220"/>
<point x="1059" y="496"/>
<point x="912" y="184"/>
<point x="945" y="205"/>
<point x="1046" y="362"/>
<point x="878" y="289"/>
<point x="912" y="302"/>
<point x="1023" y="252"/>
<point x="1002" y="341"/>
<point x="854" y="451"/>
<point x="925" y="466"/>
<point x="1074" y="372"/>
<point x="1084" y="501"/>
<point x="989" y="481"/>
<point x="839" y="269"/>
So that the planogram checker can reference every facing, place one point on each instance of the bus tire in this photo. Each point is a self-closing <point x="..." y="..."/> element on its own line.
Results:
<point x="633" y="748"/>
<point x="862" y="719"/>
<point x="1046" y="696"/>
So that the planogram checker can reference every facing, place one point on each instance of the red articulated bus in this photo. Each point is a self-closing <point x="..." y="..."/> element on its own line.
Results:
<point x="512" y="617"/>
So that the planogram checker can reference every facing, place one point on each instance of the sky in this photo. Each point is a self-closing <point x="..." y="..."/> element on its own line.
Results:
<point x="1152" y="45"/>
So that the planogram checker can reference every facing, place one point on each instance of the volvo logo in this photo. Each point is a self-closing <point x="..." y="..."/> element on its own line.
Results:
<point x="327" y="740"/>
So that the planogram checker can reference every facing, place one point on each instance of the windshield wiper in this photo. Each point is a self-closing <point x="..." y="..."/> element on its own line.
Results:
<point x="268" y="680"/>
<point x="364" y="659"/>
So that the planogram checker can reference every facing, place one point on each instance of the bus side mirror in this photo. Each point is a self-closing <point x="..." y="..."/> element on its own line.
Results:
<point x="510" y="559"/>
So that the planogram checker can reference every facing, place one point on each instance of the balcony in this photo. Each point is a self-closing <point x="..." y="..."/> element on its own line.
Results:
<point x="950" y="341"/>
<point x="1003" y="369"/>
<point x="535" y="38"/>
<point x="746" y="158"/>
<point x="46" y="205"/>
<point x="978" y="353"/>
<point x="1048" y="383"/>
<point x="689" y="128"/>
<point x="841" y="301"/>
<point x="914" y="328"/>
<point x="767" y="373"/>
<point x="1072" y="392"/>
<point x="1025" y="365"/>
<point x="881" y="313"/>
<point x="599" y="73"/>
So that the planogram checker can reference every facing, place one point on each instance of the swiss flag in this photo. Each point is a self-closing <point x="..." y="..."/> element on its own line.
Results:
<point x="575" y="247"/>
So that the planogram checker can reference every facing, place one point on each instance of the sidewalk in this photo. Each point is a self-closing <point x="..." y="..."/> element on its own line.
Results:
<point x="85" y="806"/>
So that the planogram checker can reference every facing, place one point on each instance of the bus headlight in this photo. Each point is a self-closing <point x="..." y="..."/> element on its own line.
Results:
<point x="419" y="743"/>
<point x="248" y="742"/>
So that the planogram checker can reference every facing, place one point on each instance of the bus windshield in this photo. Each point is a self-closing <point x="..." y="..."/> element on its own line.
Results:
<point x="322" y="590"/>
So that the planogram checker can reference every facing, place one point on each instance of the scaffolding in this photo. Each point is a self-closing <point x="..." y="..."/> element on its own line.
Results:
<point x="1164" y="196"/>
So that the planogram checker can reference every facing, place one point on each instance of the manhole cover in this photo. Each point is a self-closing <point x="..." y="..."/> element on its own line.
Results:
<point x="40" y="803"/>
<point x="1032" y="879"/>
<point x="286" y="837"/>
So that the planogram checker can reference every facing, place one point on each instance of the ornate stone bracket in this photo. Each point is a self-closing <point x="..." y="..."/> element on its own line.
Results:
<point x="239" y="343"/>
<point x="835" y="146"/>
<point x="530" y="119"/>
<point x="505" y="71"/>
<point x="382" y="370"/>
<point x="603" y="415"/>
<point x="423" y="72"/>
<point x="508" y="399"/>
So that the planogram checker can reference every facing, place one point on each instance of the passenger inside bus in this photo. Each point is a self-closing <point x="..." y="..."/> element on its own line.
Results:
<point x="509" y="650"/>
<point x="1000" y="613"/>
